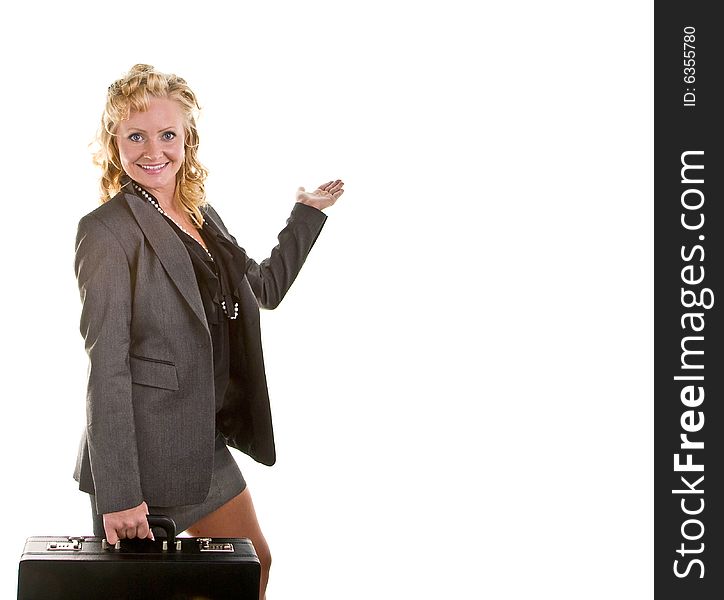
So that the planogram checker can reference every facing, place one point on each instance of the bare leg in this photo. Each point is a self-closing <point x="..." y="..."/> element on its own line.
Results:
<point x="237" y="518"/>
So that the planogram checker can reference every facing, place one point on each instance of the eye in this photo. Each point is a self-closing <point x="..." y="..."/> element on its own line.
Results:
<point x="169" y="135"/>
<point x="135" y="137"/>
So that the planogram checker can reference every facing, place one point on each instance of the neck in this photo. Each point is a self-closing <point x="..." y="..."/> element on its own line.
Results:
<point x="163" y="198"/>
<point x="163" y="195"/>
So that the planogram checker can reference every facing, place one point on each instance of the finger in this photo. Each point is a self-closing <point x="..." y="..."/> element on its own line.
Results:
<point x="130" y="532"/>
<point x="150" y="535"/>
<point x="143" y="530"/>
<point x="111" y="536"/>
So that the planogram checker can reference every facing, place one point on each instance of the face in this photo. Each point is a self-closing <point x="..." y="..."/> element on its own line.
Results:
<point x="151" y="146"/>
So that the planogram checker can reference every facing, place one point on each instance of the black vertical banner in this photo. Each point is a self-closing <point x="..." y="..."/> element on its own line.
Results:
<point x="689" y="270"/>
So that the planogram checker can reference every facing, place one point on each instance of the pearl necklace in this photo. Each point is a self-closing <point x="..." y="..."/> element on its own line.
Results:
<point x="156" y="204"/>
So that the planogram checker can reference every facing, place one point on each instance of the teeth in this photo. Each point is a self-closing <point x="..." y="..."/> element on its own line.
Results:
<point x="154" y="168"/>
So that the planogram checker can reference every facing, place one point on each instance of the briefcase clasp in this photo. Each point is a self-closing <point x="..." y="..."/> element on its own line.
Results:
<point x="207" y="545"/>
<point x="73" y="544"/>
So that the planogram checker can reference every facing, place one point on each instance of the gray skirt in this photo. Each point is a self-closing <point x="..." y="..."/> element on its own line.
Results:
<point x="226" y="483"/>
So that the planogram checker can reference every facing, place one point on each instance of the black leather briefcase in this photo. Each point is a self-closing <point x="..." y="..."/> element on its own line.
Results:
<point x="88" y="568"/>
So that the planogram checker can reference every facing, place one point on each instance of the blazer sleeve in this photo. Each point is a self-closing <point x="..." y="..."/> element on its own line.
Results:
<point x="271" y="278"/>
<point x="104" y="281"/>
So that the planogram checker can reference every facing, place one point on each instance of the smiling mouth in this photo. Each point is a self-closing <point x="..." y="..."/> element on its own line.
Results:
<point x="153" y="168"/>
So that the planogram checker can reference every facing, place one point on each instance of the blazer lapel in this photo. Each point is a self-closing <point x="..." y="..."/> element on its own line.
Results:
<point x="170" y="251"/>
<point x="246" y="293"/>
<point x="208" y="217"/>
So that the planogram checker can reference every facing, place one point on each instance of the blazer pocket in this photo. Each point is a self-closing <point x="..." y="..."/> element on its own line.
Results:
<point x="153" y="372"/>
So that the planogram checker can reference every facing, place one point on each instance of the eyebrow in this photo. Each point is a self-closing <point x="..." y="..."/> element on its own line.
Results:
<point x="159" y="131"/>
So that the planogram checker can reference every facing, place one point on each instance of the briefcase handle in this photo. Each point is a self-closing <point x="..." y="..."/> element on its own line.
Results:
<point x="162" y="521"/>
<point x="165" y="523"/>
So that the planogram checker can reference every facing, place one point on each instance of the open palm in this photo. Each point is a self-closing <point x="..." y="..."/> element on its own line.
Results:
<point x="324" y="196"/>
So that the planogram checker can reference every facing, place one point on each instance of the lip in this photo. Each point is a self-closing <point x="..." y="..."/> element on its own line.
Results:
<point x="152" y="171"/>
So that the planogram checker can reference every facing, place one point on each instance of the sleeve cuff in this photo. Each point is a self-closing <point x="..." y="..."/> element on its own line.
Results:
<point x="308" y="213"/>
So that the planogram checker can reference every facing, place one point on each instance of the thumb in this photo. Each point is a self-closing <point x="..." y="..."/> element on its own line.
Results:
<point x="300" y="189"/>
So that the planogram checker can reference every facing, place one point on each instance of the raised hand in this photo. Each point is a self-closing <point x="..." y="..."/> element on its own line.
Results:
<point x="324" y="196"/>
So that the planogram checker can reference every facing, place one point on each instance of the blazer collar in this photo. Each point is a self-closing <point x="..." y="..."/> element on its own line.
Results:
<point x="168" y="247"/>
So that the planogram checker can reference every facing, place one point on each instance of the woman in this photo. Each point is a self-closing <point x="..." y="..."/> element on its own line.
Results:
<point x="170" y="319"/>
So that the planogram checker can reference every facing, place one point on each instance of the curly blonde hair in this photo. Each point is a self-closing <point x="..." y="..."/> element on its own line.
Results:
<point x="132" y="92"/>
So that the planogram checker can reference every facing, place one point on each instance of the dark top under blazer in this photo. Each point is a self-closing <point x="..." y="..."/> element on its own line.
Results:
<point x="150" y="407"/>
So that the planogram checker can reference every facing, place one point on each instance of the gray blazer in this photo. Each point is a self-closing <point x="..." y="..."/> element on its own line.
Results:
<point x="150" y="404"/>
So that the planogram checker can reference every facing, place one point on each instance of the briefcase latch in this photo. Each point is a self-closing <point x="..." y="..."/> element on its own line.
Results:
<point x="207" y="545"/>
<point x="73" y="544"/>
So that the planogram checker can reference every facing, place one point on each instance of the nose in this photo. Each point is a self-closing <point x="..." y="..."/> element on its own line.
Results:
<point x="152" y="150"/>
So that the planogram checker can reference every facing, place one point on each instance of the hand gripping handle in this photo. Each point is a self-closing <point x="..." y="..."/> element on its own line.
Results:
<point x="162" y="521"/>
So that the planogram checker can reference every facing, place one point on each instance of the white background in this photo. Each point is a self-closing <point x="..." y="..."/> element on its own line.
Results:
<point x="461" y="377"/>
